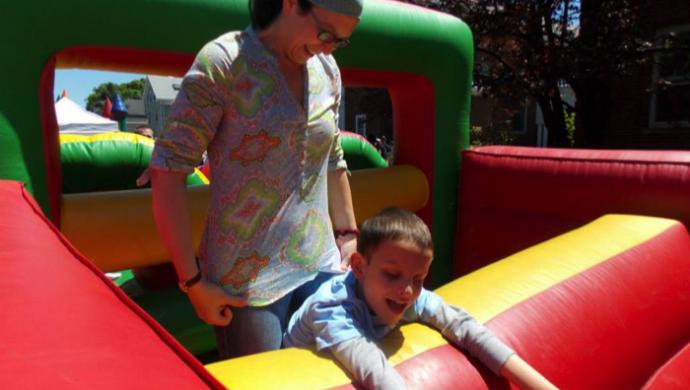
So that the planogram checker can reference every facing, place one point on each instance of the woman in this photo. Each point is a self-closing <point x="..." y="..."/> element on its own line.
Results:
<point x="264" y="102"/>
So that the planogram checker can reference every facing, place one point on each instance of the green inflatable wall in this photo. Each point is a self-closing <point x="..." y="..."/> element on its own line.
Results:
<point x="107" y="162"/>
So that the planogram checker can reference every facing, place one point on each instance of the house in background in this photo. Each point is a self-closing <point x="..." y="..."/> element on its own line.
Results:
<point x="136" y="113"/>
<point x="651" y="109"/>
<point x="159" y="93"/>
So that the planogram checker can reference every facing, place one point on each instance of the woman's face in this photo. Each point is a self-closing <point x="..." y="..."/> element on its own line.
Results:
<point x="316" y="31"/>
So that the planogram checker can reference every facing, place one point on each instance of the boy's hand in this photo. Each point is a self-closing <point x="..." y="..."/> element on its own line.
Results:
<point x="525" y="376"/>
<point x="212" y="304"/>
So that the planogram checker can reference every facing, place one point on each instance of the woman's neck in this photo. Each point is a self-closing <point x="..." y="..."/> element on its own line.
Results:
<point x="273" y="39"/>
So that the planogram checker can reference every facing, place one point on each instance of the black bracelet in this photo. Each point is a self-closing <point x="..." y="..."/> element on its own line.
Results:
<point x="344" y="232"/>
<point x="194" y="280"/>
<point x="186" y="284"/>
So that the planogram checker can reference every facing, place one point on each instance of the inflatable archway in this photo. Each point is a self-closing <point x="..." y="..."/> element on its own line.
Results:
<point x="429" y="97"/>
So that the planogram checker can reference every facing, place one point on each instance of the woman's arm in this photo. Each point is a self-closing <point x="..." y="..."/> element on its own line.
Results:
<point x="340" y="200"/>
<point x="342" y="213"/>
<point x="173" y="220"/>
<point x="525" y="376"/>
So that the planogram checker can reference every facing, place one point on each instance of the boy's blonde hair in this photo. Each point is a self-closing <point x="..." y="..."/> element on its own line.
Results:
<point x="393" y="224"/>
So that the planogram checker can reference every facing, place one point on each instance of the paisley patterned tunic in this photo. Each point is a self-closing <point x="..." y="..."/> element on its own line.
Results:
<point x="268" y="229"/>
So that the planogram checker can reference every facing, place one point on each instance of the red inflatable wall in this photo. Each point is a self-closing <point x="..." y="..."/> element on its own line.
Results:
<point x="514" y="197"/>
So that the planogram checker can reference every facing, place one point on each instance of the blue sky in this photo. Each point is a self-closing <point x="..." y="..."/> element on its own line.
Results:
<point x="79" y="83"/>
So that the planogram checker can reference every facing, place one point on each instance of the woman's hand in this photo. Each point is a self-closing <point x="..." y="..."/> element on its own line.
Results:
<point x="347" y="245"/>
<point x="212" y="304"/>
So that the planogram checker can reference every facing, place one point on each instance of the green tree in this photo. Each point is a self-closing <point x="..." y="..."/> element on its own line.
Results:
<point x="531" y="48"/>
<point x="131" y="90"/>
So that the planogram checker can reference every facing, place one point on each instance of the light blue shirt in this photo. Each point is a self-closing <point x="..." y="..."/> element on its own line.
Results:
<point x="336" y="313"/>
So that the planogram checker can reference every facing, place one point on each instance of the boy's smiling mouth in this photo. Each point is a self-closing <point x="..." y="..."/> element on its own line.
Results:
<point x="396" y="307"/>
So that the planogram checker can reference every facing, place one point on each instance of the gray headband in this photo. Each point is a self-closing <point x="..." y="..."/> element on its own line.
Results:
<point x="346" y="7"/>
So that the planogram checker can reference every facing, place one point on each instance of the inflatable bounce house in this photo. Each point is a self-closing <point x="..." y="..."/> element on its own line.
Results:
<point x="578" y="259"/>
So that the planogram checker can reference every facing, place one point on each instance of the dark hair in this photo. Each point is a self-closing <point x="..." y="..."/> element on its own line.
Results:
<point x="393" y="224"/>
<point x="264" y="12"/>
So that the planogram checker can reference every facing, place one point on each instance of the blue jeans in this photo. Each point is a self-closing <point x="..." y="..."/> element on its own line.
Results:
<point x="260" y="329"/>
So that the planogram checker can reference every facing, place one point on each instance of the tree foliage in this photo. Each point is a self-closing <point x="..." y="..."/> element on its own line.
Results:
<point x="531" y="48"/>
<point x="130" y="90"/>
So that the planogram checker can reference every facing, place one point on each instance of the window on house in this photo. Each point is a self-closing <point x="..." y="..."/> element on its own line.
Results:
<point x="671" y="80"/>
<point x="519" y="121"/>
<point x="361" y="124"/>
<point x="369" y="112"/>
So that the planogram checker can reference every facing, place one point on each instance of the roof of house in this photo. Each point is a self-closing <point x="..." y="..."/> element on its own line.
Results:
<point x="164" y="88"/>
<point x="135" y="107"/>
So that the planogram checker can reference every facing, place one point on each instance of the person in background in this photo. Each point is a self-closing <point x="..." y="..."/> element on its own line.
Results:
<point x="144" y="130"/>
<point x="264" y="103"/>
<point x="348" y="313"/>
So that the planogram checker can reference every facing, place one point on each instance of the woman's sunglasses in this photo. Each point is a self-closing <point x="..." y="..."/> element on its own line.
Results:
<point x="328" y="37"/>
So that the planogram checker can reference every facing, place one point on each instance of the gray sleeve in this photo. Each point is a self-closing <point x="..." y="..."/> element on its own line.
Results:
<point x="471" y="336"/>
<point x="195" y="115"/>
<point x="367" y="363"/>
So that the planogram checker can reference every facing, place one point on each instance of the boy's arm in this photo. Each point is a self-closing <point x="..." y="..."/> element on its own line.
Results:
<point x="368" y="364"/>
<point x="464" y="330"/>
<point x="523" y="375"/>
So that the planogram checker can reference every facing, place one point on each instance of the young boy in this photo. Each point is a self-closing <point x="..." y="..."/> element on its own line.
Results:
<point x="384" y="287"/>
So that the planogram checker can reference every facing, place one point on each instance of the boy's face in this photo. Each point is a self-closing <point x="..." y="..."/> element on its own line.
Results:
<point x="392" y="277"/>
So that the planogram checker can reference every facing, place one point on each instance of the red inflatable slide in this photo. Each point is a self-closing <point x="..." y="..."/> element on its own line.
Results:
<point x="69" y="326"/>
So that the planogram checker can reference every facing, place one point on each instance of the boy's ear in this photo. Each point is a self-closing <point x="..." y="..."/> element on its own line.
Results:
<point x="358" y="264"/>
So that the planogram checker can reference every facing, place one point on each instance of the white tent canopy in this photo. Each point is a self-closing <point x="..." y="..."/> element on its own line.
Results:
<point x="72" y="118"/>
